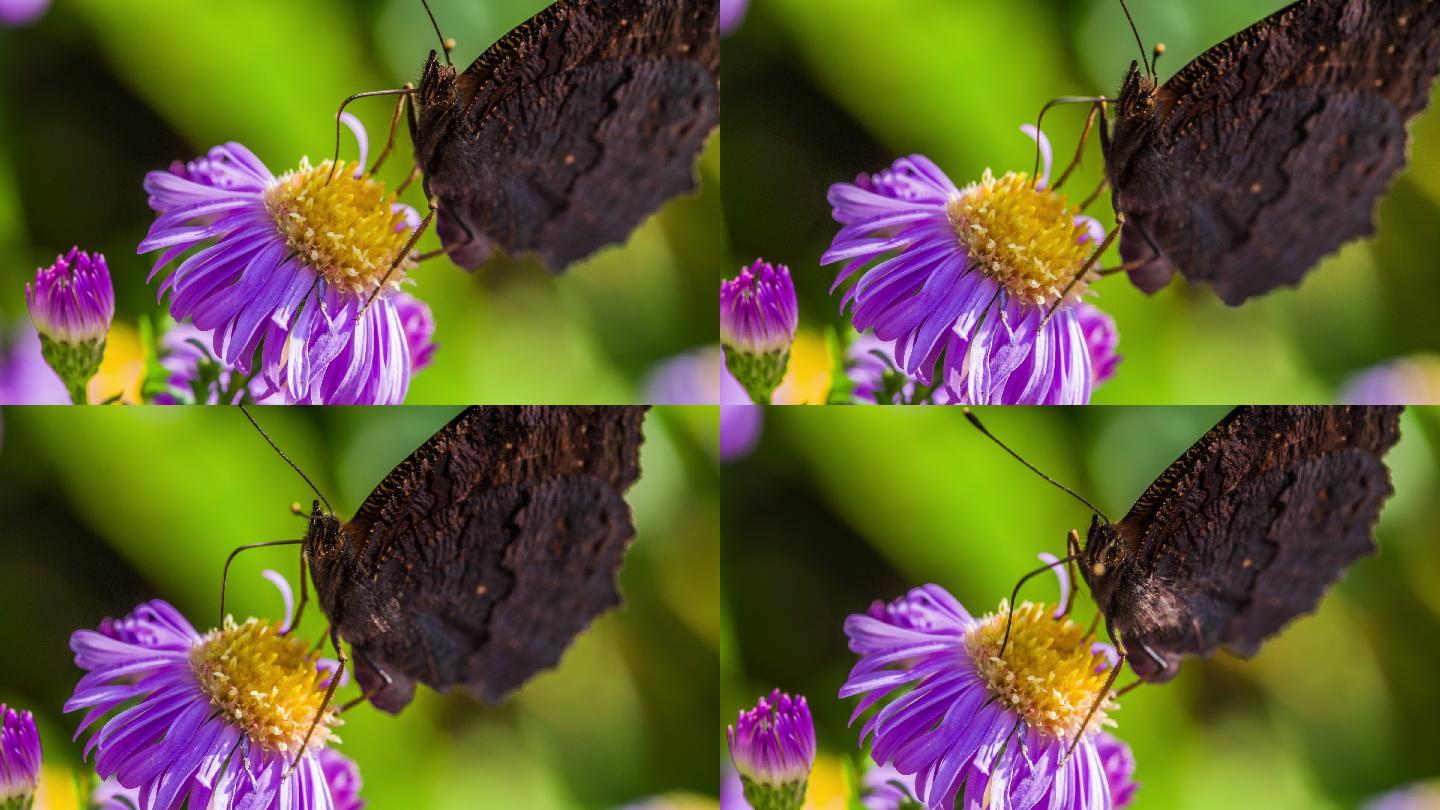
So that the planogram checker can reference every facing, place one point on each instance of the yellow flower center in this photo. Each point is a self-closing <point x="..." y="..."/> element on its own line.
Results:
<point x="1025" y="238"/>
<point x="265" y="684"/>
<point x="344" y="227"/>
<point x="1048" y="675"/>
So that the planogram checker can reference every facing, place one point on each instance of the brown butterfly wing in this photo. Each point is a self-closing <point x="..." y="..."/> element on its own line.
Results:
<point x="1248" y="529"/>
<point x="575" y="127"/>
<point x="482" y="555"/>
<point x="1273" y="149"/>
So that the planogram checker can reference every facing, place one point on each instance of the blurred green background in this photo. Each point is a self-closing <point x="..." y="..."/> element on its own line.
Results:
<point x="818" y="93"/>
<point x="106" y="508"/>
<point x="842" y="506"/>
<point x="101" y="91"/>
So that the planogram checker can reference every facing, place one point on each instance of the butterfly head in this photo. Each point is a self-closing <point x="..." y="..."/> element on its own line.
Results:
<point x="324" y="538"/>
<point x="1105" y="553"/>
<point x="1137" y="94"/>
<point x="435" y="103"/>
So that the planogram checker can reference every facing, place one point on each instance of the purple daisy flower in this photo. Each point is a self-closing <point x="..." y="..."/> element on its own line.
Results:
<point x="773" y="749"/>
<point x="1102" y="337"/>
<point x="284" y="269"/>
<point x="758" y="319"/>
<point x="975" y="724"/>
<point x="72" y="300"/>
<point x="71" y="304"/>
<point x="19" y="757"/>
<point x="15" y="13"/>
<point x="758" y="310"/>
<point x="962" y="280"/>
<point x="206" y="718"/>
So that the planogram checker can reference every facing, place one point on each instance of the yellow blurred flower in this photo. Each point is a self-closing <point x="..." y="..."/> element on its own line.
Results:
<point x="827" y="790"/>
<point x="58" y="789"/>
<point x="123" y="369"/>
<point x="807" y="381"/>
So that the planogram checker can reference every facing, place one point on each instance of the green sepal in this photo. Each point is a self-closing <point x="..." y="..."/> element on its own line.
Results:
<point x="774" y="797"/>
<point x="74" y="363"/>
<point x="760" y="375"/>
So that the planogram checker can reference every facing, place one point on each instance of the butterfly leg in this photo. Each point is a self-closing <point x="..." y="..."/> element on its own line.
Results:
<point x="1122" y="655"/>
<point x="400" y="257"/>
<point x="335" y="160"/>
<point x="1072" y="553"/>
<point x="1085" y="269"/>
<point x="394" y="125"/>
<point x="1097" y="111"/>
<point x="304" y="598"/>
<point x="385" y="681"/>
<point x="1015" y="594"/>
<point x="225" y="572"/>
<point x="1040" y="119"/>
<point x="335" y="678"/>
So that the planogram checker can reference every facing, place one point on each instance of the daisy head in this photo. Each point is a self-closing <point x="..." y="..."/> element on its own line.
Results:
<point x="19" y="758"/>
<point x="773" y="749"/>
<point x="967" y="721"/>
<point x="294" y="276"/>
<point x="963" y="281"/>
<point x="215" y="719"/>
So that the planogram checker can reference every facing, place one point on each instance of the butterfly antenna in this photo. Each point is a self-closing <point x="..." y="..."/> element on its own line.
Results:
<point x="1149" y="65"/>
<point x="975" y="420"/>
<point x="445" y="44"/>
<point x="292" y="464"/>
<point x="1015" y="594"/>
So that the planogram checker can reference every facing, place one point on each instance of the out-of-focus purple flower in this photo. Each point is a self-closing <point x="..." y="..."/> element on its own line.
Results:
<point x="976" y="726"/>
<point x="1413" y="380"/>
<point x="732" y="13"/>
<point x="185" y="353"/>
<point x="1119" y="764"/>
<point x="773" y="749"/>
<point x="732" y="790"/>
<point x="885" y="788"/>
<point x="758" y="320"/>
<point x="71" y="304"/>
<point x="871" y="370"/>
<point x="111" y="795"/>
<point x="741" y="421"/>
<point x="962" y="280"/>
<point x="212" y="720"/>
<point x="19" y="757"/>
<point x="15" y="13"/>
<point x="700" y="378"/>
<point x="1103" y="338"/>
<point x="284" y="269"/>
<point x="1420" y="796"/>
<point x="25" y="377"/>
<point x="343" y="777"/>
<point x="692" y="378"/>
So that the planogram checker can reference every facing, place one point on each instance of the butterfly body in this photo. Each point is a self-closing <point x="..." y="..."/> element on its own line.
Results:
<point x="475" y="563"/>
<point x="1273" y="149"/>
<point x="1243" y="533"/>
<point x="566" y="134"/>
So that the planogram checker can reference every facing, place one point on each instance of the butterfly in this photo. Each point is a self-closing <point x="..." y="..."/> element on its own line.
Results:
<point x="571" y="130"/>
<point x="1241" y="534"/>
<point x="482" y="555"/>
<point x="1273" y="148"/>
